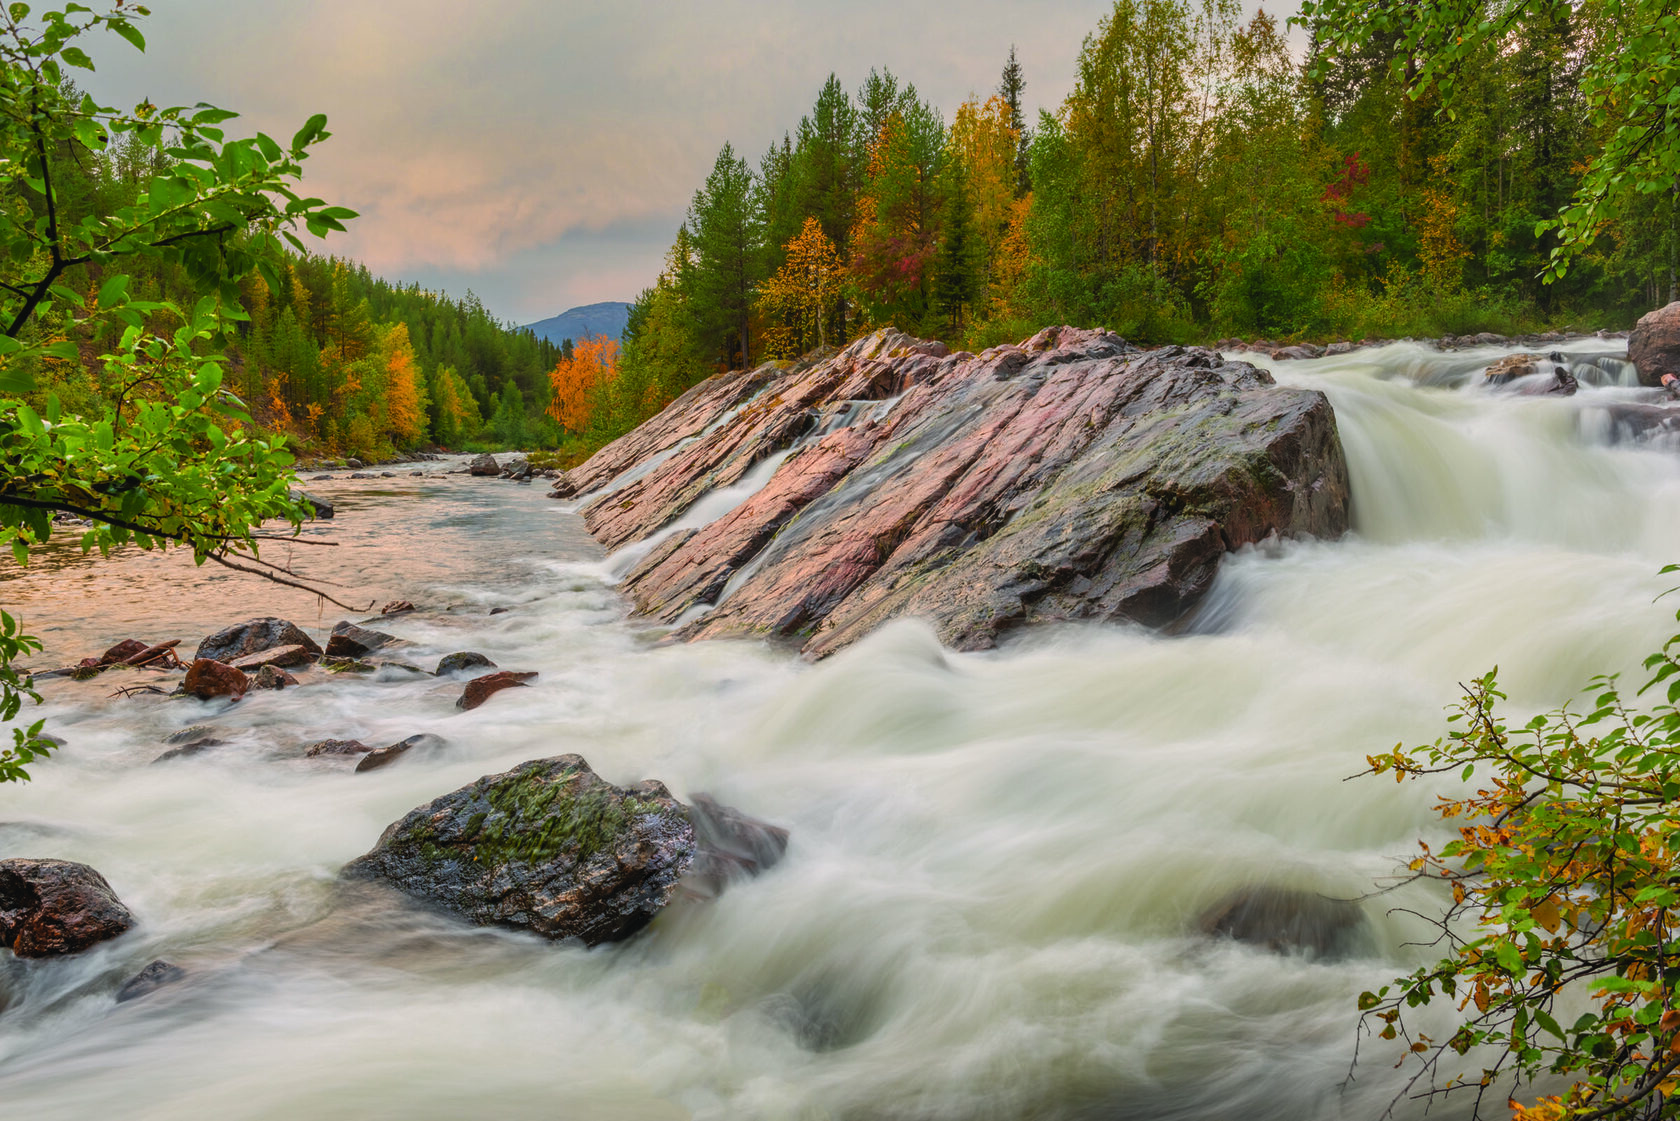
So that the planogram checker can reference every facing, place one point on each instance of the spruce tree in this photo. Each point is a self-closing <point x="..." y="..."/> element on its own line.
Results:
<point x="1011" y="89"/>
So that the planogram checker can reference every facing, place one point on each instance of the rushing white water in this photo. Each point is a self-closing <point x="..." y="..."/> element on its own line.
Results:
<point x="997" y="861"/>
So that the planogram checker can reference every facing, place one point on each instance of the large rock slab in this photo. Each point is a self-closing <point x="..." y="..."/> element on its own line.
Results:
<point x="253" y="636"/>
<point x="1654" y="345"/>
<point x="553" y="848"/>
<point x="49" y="908"/>
<point x="1072" y="477"/>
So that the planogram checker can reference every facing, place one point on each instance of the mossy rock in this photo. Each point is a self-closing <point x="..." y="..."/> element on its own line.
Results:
<point x="548" y="846"/>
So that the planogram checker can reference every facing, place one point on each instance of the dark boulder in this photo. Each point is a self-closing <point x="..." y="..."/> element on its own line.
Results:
<point x="1654" y="345"/>
<point x="548" y="846"/>
<point x="207" y="679"/>
<point x="189" y="734"/>
<point x="233" y="643"/>
<point x="149" y="980"/>
<point x="462" y="660"/>
<point x="484" y="466"/>
<point x="53" y="907"/>
<point x="480" y="689"/>
<point x="354" y="464"/>
<point x="350" y="641"/>
<point x="1285" y="920"/>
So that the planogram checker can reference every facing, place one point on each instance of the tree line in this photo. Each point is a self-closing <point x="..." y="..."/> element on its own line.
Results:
<point x="1199" y="181"/>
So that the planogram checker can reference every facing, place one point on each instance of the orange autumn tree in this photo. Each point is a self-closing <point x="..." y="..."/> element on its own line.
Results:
<point x="796" y="299"/>
<point x="984" y="142"/>
<point x="405" y="404"/>
<point x="575" y="381"/>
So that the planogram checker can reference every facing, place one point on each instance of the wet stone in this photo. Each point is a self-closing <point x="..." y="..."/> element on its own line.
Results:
<point x="481" y="689"/>
<point x="336" y="747"/>
<point x="196" y="747"/>
<point x="149" y="980"/>
<point x="49" y="908"/>
<point x="462" y="660"/>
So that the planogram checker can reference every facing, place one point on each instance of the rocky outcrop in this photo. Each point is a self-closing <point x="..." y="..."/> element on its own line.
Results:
<point x="53" y="907"/>
<point x="548" y="846"/>
<point x="1654" y="345"/>
<point x="253" y="636"/>
<point x="1534" y="376"/>
<point x="1071" y="477"/>
<point x="149" y="980"/>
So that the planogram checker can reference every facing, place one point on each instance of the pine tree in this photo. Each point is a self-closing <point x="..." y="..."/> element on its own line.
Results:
<point x="728" y="257"/>
<point x="1012" y="88"/>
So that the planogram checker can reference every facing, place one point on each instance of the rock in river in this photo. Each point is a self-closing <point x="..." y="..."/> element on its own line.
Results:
<point x="548" y="846"/>
<point x="480" y="689"/>
<point x="350" y="641"/>
<point x="462" y="660"/>
<point x="252" y="636"/>
<point x="54" y="907"/>
<point x="1072" y="477"/>
<point x="207" y="679"/>
<point x="485" y="465"/>
<point x="1286" y="920"/>
<point x="1654" y="345"/>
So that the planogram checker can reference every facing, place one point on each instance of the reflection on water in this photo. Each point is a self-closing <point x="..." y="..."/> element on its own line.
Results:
<point x="997" y="861"/>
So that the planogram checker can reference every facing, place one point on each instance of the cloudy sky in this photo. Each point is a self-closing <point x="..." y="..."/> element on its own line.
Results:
<point x="542" y="153"/>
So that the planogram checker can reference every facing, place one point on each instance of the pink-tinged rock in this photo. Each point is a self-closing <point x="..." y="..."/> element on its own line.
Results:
<point x="1071" y="477"/>
<point x="208" y="679"/>
<point x="481" y="689"/>
<point x="276" y="656"/>
<point x="49" y="908"/>
<point x="121" y="652"/>
<point x="1654" y="345"/>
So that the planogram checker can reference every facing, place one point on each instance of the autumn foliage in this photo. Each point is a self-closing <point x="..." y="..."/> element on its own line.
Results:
<point x="577" y="381"/>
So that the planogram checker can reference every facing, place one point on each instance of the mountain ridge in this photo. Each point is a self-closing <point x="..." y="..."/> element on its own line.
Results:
<point x="607" y="318"/>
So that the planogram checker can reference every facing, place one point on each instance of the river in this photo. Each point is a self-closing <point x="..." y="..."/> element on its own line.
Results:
<point x="987" y="909"/>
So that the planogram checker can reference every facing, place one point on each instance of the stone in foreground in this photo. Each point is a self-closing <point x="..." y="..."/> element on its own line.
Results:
<point x="207" y="679"/>
<point x="350" y="641"/>
<point x="462" y="660"/>
<point x="481" y="689"/>
<point x="1654" y="345"/>
<point x="548" y="846"/>
<point x="1072" y="477"/>
<point x="250" y="637"/>
<point x="49" y="908"/>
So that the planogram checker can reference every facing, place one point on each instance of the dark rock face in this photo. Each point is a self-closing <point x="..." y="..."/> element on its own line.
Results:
<point x="122" y="651"/>
<point x="1654" y="345"/>
<point x="480" y="689"/>
<point x="1072" y="477"/>
<point x="463" y="660"/>
<point x="53" y="907"/>
<point x="149" y="980"/>
<point x="187" y="751"/>
<point x="732" y="846"/>
<point x="322" y="508"/>
<point x="1284" y="920"/>
<point x="207" y="679"/>
<point x="548" y="846"/>
<point x="350" y="641"/>
<point x="485" y="465"/>
<point x="236" y="642"/>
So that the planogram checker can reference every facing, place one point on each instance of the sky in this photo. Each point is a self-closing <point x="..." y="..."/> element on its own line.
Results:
<point x="542" y="154"/>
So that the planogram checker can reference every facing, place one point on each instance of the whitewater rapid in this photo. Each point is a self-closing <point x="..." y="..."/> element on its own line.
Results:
<point x="997" y="860"/>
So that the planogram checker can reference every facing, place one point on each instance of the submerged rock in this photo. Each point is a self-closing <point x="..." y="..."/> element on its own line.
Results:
<point x="462" y="660"/>
<point x="1654" y="345"/>
<point x="122" y="651"/>
<point x="385" y="756"/>
<point x="252" y="636"/>
<point x="481" y="689"/>
<point x="1285" y="920"/>
<point x="149" y="980"/>
<point x="1071" y="477"/>
<point x="187" y="751"/>
<point x="272" y="677"/>
<point x="53" y="907"/>
<point x="336" y="747"/>
<point x="274" y="656"/>
<point x="548" y="846"/>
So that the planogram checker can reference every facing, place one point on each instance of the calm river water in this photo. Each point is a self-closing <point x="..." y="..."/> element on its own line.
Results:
<point x="987" y="909"/>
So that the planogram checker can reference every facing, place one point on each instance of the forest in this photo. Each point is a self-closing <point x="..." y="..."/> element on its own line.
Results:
<point x="1201" y="181"/>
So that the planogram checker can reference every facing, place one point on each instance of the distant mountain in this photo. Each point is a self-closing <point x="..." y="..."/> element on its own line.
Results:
<point x="582" y="322"/>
